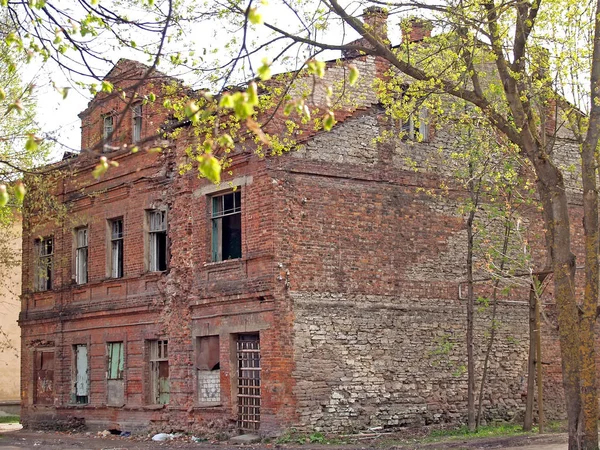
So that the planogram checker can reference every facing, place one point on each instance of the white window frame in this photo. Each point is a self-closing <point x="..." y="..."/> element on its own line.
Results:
<point x="136" y="125"/>
<point x="81" y="255"/>
<point x="117" y="261"/>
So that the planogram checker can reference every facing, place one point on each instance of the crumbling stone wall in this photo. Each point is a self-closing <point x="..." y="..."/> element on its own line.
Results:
<point x="379" y="327"/>
<point x="365" y="361"/>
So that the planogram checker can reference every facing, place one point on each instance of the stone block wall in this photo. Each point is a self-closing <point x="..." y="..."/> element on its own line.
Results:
<point x="365" y="361"/>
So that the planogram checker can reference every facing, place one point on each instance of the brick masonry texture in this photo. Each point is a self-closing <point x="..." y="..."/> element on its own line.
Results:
<point x="349" y="274"/>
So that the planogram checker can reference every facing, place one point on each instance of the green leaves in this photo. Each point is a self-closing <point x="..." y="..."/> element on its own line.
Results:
<point x="328" y="121"/>
<point x="3" y="195"/>
<point x="353" y="75"/>
<point x="252" y="92"/>
<point x="264" y="71"/>
<point x="191" y="111"/>
<point x="16" y="106"/>
<point x="316" y="67"/>
<point x="101" y="168"/>
<point x="32" y="143"/>
<point x="19" y="191"/>
<point x="254" y="16"/>
<point x="107" y="87"/>
<point x="209" y="167"/>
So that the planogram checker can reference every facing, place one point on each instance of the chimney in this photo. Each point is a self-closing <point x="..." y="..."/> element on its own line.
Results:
<point x="415" y="29"/>
<point x="375" y="18"/>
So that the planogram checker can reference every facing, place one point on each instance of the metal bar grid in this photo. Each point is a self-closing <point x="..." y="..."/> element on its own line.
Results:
<point x="248" y="355"/>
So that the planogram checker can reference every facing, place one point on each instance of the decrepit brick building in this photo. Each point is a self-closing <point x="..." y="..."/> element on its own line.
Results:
<point x="312" y="289"/>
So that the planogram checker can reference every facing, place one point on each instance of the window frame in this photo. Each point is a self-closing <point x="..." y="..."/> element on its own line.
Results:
<point x="136" y="122"/>
<point x="80" y="399"/>
<point x="43" y="275"/>
<point x="81" y="255"/>
<point x="154" y="234"/>
<point x="158" y="352"/>
<point x="216" y="218"/>
<point x="108" y="127"/>
<point x="120" y="374"/>
<point x="408" y="127"/>
<point x="116" y="268"/>
<point x="206" y="372"/>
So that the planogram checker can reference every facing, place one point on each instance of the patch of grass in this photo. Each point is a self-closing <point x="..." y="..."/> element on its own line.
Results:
<point x="508" y="429"/>
<point x="9" y="419"/>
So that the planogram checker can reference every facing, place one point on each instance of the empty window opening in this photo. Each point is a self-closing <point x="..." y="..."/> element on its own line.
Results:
<point x="44" y="249"/>
<point x="115" y="365"/>
<point x="227" y="226"/>
<point x="157" y="234"/>
<point x="107" y="129"/>
<point x="136" y="113"/>
<point x="248" y="397"/>
<point x="116" y="248"/>
<point x="159" y="372"/>
<point x="208" y="369"/>
<point x="44" y="378"/>
<point x="81" y="256"/>
<point x="81" y="387"/>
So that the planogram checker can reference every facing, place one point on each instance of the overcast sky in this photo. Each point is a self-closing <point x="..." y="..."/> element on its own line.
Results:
<point x="58" y="117"/>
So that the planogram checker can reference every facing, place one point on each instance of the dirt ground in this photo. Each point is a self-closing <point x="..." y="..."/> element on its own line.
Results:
<point x="13" y="438"/>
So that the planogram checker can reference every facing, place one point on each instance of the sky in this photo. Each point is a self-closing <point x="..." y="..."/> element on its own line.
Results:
<point x="58" y="118"/>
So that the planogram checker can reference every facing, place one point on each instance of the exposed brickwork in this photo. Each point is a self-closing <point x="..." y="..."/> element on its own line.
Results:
<point x="349" y="274"/>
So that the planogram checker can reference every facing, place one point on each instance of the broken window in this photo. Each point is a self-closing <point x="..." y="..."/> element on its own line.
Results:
<point x="44" y="249"/>
<point x="44" y="378"/>
<point x="159" y="372"/>
<point x="107" y="129"/>
<point x="157" y="245"/>
<point x="114" y="373"/>
<point x="81" y="387"/>
<point x="227" y="226"/>
<point x="208" y="369"/>
<point x="116" y="248"/>
<point x="81" y="256"/>
<point x="136" y="114"/>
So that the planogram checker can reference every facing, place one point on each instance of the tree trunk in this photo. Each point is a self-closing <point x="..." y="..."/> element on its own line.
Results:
<point x="470" y="313"/>
<point x="528" y="421"/>
<point x="488" y="351"/>
<point x="556" y="214"/>
<point x="538" y="355"/>
<point x="589" y="397"/>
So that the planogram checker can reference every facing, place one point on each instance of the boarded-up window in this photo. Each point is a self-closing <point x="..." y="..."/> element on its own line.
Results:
<point x="44" y="378"/>
<point x="81" y="386"/>
<point x="208" y="369"/>
<point x="159" y="372"/>
<point x="114" y="374"/>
